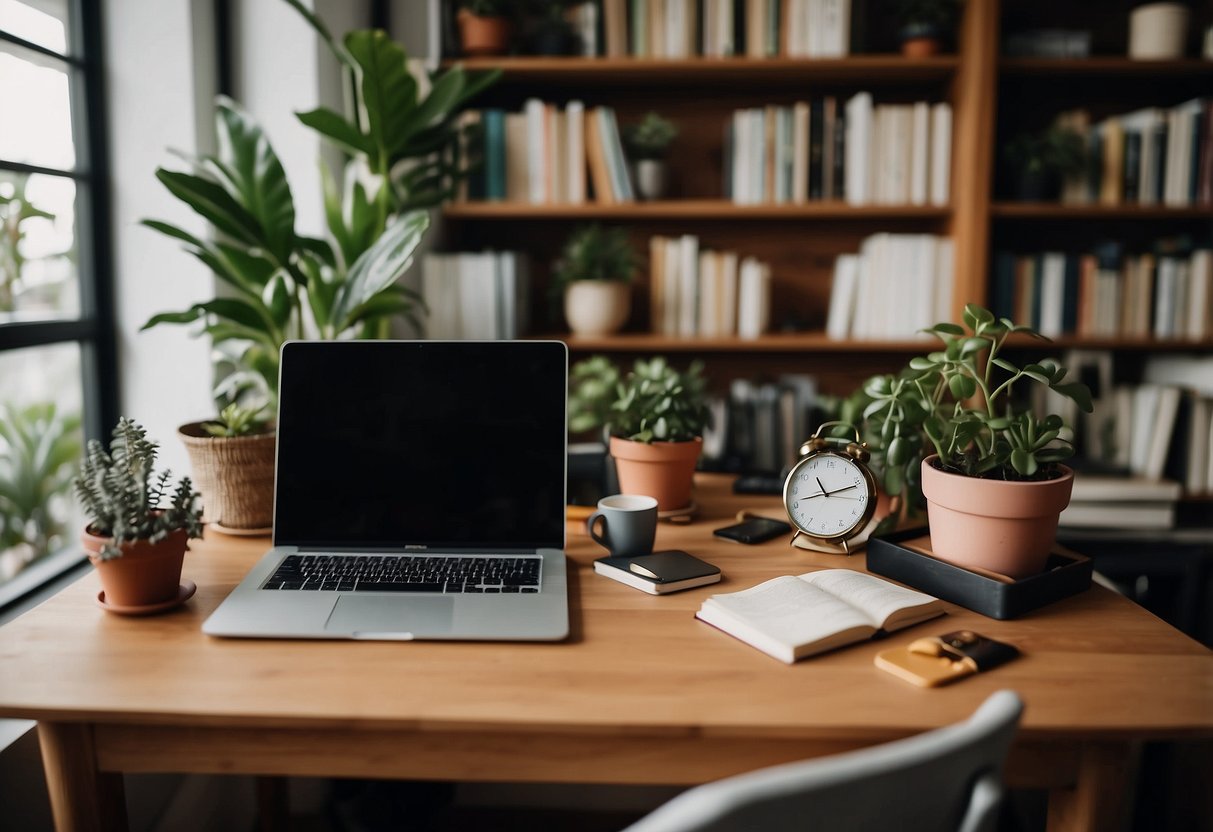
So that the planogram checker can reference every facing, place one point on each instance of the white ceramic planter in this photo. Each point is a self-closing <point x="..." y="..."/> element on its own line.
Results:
<point x="1157" y="31"/>
<point x="596" y="307"/>
<point x="650" y="178"/>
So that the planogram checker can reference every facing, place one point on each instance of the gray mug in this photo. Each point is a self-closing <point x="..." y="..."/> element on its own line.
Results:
<point x="629" y="524"/>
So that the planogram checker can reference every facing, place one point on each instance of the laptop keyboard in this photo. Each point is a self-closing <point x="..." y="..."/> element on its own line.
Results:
<point x="407" y="573"/>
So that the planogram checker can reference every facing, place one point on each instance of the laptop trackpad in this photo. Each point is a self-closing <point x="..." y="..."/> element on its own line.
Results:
<point x="400" y="615"/>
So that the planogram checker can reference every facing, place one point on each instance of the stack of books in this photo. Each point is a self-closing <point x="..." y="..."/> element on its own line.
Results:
<point x="895" y="286"/>
<point x="888" y="154"/>
<point x="1113" y="501"/>
<point x="1165" y="294"/>
<point x="475" y="296"/>
<point x="696" y="292"/>
<point x="1153" y="156"/>
<point x="760" y="426"/>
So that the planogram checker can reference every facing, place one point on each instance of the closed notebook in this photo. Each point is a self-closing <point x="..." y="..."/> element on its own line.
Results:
<point x="792" y="617"/>
<point x="660" y="572"/>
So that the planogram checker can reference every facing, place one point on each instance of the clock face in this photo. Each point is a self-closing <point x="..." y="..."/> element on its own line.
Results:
<point x="828" y="496"/>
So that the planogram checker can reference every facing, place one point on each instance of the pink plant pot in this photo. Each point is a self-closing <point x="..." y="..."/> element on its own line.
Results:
<point x="995" y="525"/>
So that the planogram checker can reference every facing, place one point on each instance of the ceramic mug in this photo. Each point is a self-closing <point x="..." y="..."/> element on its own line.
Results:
<point x="629" y="524"/>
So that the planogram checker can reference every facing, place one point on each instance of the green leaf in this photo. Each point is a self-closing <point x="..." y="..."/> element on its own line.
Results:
<point x="277" y="298"/>
<point x="1077" y="391"/>
<point x="258" y="177"/>
<point x="211" y="202"/>
<point x="444" y="96"/>
<point x="475" y="83"/>
<point x="899" y="451"/>
<point x="188" y="316"/>
<point x="389" y="92"/>
<point x="971" y="345"/>
<point x="318" y="25"/>
<point x="920" y="362"/>
<point x="1006" y="365"/>
<point x="236" y="311"/>
<point x="334" y="126"/>
<point x="946" y="329"/>
<point x="875" y="407"/>
<point x="978" y="314"/>
<point x="173" y="231"/>
<point x="962" y="386"/>
<point x="380" y="266"/>
<point x="894" y="480"/>
<point x="1023" y="462"/>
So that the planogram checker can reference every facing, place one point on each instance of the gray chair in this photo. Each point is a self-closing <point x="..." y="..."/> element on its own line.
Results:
<point x="946" y="779"/>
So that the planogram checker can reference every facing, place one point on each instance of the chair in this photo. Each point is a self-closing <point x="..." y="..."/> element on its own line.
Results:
<point x="947" y="779"/>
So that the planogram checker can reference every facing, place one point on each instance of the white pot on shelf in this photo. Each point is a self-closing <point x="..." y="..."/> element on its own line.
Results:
<point x="1157" y="31"/>
<point x="594" y="308"/>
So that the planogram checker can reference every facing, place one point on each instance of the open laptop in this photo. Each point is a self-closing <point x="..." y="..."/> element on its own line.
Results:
<point x="419" y="494"/>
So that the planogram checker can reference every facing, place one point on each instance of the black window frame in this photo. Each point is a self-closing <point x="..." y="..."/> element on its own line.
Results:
<point x="95" y="330"/>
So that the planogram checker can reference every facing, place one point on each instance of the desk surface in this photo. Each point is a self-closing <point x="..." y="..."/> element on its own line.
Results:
<point x="1095" y="666"/>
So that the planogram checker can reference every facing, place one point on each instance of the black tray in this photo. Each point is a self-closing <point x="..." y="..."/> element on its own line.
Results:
<point x="1066" y="573"/>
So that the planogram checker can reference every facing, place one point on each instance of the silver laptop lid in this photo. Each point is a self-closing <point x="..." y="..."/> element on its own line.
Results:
<point x="415" y="445"/>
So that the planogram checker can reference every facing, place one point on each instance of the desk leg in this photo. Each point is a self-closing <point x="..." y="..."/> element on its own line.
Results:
<point x="1098" y="799"/>
<point x="83" y="799"/>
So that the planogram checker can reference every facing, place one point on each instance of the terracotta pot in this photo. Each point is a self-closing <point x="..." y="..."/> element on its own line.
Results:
<point x="594" y="308"/>
<point x="146" y="574"/>
<point x="1000" y="526"/>
<point x="483" y="35"/>
<point x="234" y="474"/>
<point x="662" y="470"/>
<point x="921" y="40"/>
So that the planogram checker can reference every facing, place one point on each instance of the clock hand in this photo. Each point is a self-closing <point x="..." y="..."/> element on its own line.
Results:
<point x="832" y="493"/>
<point x="822" y="487"/>
<point x="811" y="496"/>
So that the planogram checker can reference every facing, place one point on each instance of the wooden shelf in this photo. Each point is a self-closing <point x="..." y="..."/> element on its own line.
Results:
<point x="581" y="72"/>
<point x="1114" y="343"/>
<point x="791" y="342"/>
<point x="692" y="209"/>
<point x="1106" y="66"/>
<point x="1056" y="211"/>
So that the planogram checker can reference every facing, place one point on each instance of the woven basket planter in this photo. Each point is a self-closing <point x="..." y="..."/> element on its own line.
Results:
<point x="235" y="475"/>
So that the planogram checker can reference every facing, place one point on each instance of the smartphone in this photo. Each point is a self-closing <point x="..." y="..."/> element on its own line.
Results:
<point x="754" y="530"/>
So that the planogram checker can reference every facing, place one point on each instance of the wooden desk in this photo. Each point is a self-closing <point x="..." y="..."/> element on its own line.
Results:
<point x="641" y="692"/>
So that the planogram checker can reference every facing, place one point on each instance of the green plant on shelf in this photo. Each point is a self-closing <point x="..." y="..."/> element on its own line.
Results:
<point x="650" y="138"/>
<point x="594" y="252"/>
<point x="1055" y="151"/>
<point x="654" y="402"/>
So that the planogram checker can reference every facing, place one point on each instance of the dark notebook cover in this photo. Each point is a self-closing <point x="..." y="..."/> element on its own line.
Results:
<point x="669" y="567"/>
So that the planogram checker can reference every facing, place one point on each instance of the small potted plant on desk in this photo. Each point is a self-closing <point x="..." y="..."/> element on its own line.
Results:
<point x="136" y="541"/>
<point x="594" y="273"/>
<point x="994" y="485"/>
<point x="1042" y="161"/>
<point x="232" y="458"/>
<point x="655" y="417"/>
<point x="648" y="142"/>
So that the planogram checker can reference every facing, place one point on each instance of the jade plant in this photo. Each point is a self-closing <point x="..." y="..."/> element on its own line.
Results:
<point x="655" y="402"/>
<point x="958" y="402"/>
<point x="126" y="500"/>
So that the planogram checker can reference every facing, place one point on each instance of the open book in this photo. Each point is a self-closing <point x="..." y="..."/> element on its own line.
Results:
<point x="793" y="617"/>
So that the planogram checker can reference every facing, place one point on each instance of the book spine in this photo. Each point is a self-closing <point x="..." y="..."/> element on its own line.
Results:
<point x="816" y="139"/>
<point x="1132" y="168"/>
<point x="494" y="154"/>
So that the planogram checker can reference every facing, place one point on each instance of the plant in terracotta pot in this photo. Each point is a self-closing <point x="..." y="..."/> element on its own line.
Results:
<point x="139" y="528"/>
<point x="485" y="27"/>
<point x="594" y="274"/>
<point x="994" y="485"/>
<point x="232" y="458"/>
<point x="648" y="143"/>
<point x="655" y="416"/>
<point x="1042" y="160"/>
<point x="550" y="32"/>
<point x="926" y="26"/>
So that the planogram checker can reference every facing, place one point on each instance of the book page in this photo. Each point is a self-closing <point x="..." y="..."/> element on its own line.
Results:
<point x="885" y="604"/>
<point x="791" y="611"/>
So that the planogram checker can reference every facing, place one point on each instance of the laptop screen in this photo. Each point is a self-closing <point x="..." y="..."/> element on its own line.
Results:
<point x="386" y="444"/>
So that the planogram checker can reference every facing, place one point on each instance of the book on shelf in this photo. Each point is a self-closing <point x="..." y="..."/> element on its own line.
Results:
<point x="824" y="149"/>
<point x="1117" y="515"/>
<point x="699" y="292"/>
<point x="472" y="296"/>
<point x="792" y="617"/>
<point x="1122" y="488"/>
<point x="1150" y="156"/>
<point x="897" y="285"/>
<point x="759" y="426"/>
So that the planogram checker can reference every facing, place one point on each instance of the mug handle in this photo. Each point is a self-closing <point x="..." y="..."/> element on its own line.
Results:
<point x="589" y="526"/>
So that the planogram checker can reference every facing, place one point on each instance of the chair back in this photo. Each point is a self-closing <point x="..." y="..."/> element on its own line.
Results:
<point x="948" y="779"/>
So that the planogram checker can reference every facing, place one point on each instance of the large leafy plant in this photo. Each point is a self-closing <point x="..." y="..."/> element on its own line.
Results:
<point x="38" y="445"/>
<point x="125" y="499"/>
<point x="959" y="402"/>
<point x="284" y="285"/>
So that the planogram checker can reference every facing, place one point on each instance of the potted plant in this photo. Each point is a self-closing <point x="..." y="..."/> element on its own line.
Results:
<point x="1043" y="160"/>
<point x="550" y="31"/>
<point x="232" y="459"/>
<point x="282" y="285"/>
<point x="995" y="485"/>
<point x="136" y="540"/>
<point x="485" y="27"/>
<point x="648" y="142"/>
<point x="926" y="25"/>
<point x="655" y="416"/>
<point x="594" y="274"/>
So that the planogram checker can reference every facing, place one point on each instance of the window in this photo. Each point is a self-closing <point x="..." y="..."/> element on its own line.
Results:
<point x="57" y="367"/>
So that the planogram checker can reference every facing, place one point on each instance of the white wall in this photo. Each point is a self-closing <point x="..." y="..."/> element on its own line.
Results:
<point x="152" y="93"/>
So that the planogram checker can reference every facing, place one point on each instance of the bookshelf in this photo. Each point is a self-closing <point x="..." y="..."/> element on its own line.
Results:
<point x="990" y="95"/>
